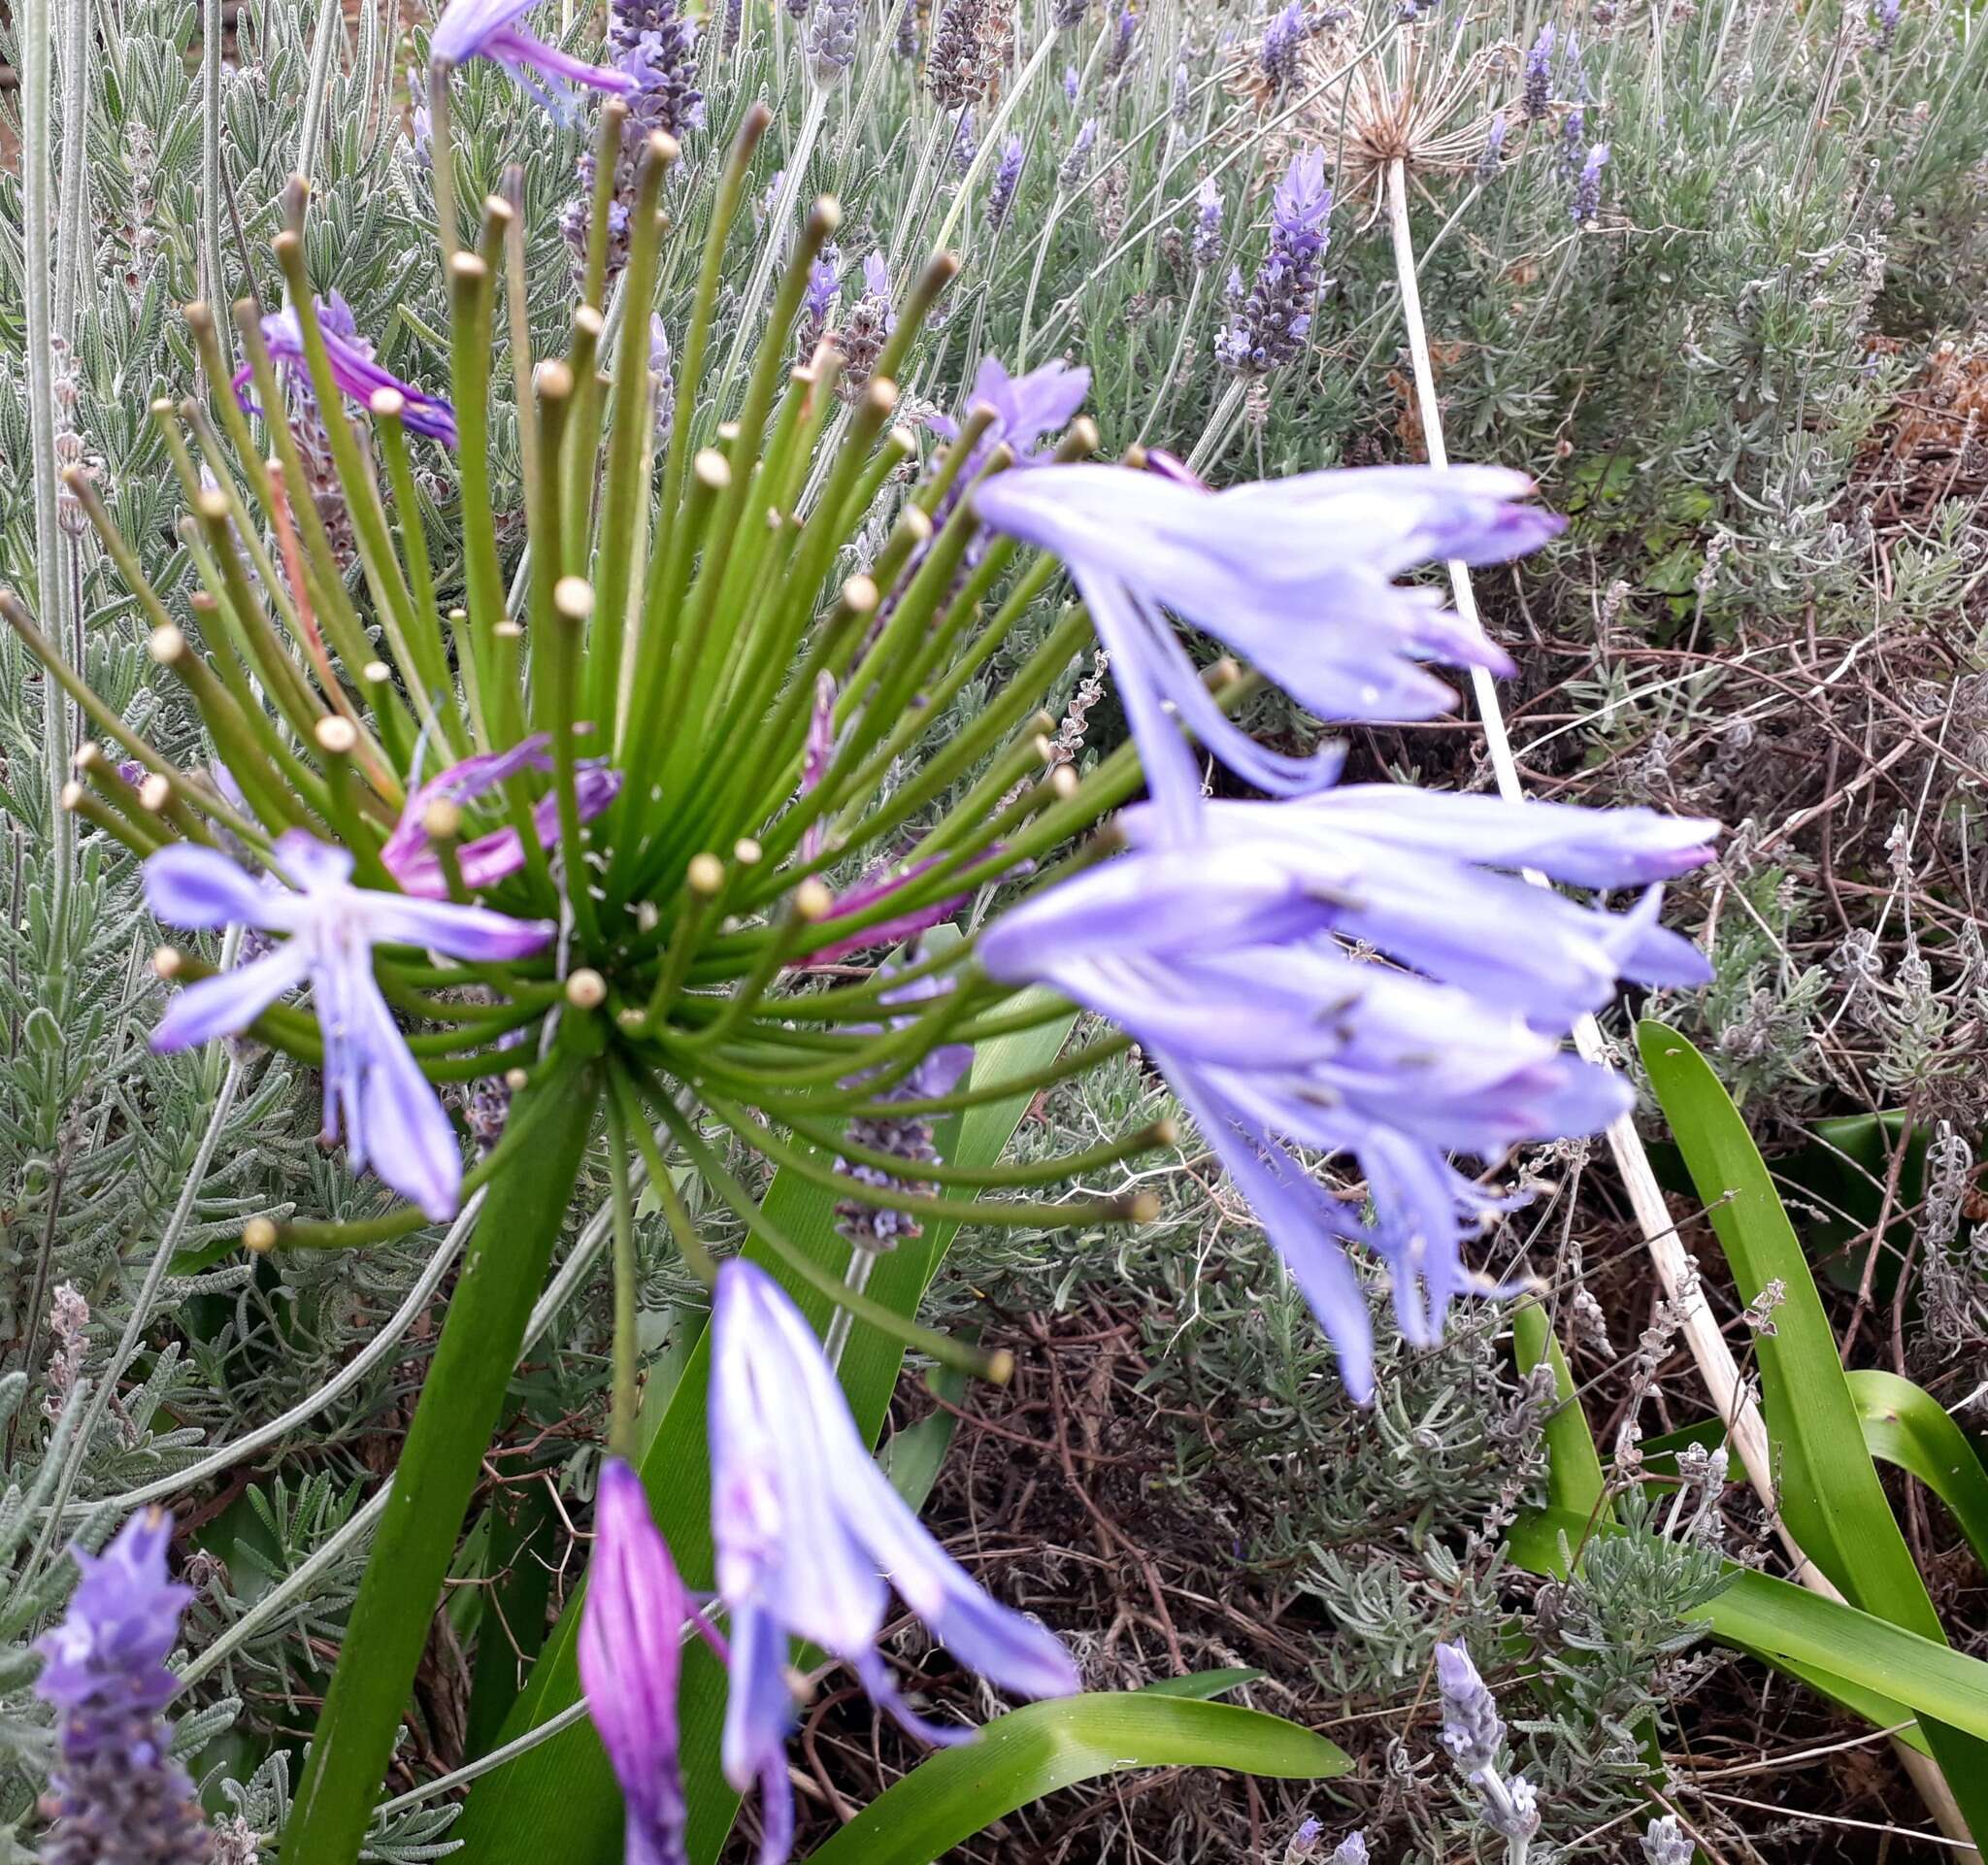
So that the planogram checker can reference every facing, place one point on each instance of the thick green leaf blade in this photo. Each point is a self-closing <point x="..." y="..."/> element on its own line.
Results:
<point x="1829" y="1490"/>
<point x="1575" y="1480"/>
<point x="1905" y="1425"/>
<point x="559" y="1800"/>
<point x="1203" y="1686"/>
<point x="1030" y="1753"/>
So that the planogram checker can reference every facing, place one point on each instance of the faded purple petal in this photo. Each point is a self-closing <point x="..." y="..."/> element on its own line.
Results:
<point x="358" y="376"/>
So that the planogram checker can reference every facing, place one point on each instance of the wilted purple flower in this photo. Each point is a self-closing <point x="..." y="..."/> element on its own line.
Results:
<point x="1079" y="160"/>
<point x="832" y="39"/>
<point x="121" y="1794"/>
<point x="1665" y="1843"/>
<point x="1277" y="58"/>
<point x="805" y="1526"/>
<point x="1007" y="178"/>
<point x="1472" y="1731"/>
<point x="489" y="29"/>
<point x="1208" y="224"/>
<point x="353" y="368"/>
<point x="1071" y="82"/>
<point x="374" y="1089"/>
<point x="409" y="856"/>
<point x="1269" y="329"/>
<point x="1295" y="574"/>
<point x="1587" y="191"/>
<point x="631" y="1652"/>
<point x="1219" y="947"/>
<point x="1537" y="96"/>
<point x="1492" y="154"/>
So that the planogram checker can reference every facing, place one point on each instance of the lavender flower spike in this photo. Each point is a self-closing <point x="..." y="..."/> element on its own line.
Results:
<point x="353" y="368"/>
<point x="1665" y="1843"/>
<point x="806" y="1526"/>
<point x="1295" y="574"/>
<point x="631" y="1639"/>
<point x="374" y="1089"/>
<point x="409" y="853"/>
<point x="121" y="1794"/>
<point x="1473" y="1733"/>
<point x="1270" y="328"/>
<point x="489" y="29"/>
<point x="1007" y="178"/>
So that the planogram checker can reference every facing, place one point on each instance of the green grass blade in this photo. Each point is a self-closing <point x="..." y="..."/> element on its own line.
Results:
<point x="559" y="1799"/>
<point x="1033" y="1752"/>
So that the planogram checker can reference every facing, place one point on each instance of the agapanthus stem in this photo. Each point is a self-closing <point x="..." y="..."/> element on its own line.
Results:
<point x="696" y="1257"/>
<point x="623" y="1419"/>
<point x="855" y="1279"/>
<point x="502" y="1270"/>
<point x="442" y="163"/>
<point x="430" y="671"/>
<point x="593" y="287"/>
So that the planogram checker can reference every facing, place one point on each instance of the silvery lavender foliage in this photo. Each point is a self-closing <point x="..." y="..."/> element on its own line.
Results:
<point x="1270" y="328"/>
<point x="1277" y="58"/>
<point x="1208" y="224"/>
<point x="1076" y="163"/>
<point x="1007" y="179"/>
<point x="1665" y="1843"/>
<point x="122" y="1798"/>
<point x="656" y="45"/>
<point x="1586" y="204"/>
<point x="1536" y="95"/>
<point x="832" y="40"/>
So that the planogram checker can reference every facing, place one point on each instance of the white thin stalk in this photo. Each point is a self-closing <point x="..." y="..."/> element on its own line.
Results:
<point x="1735" y="1404"/>
<point x="73" y="217"/>
<point x="213" y="279"/>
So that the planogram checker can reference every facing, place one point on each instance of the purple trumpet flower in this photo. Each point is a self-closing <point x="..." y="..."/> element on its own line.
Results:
<point x="409" y="855"/>
<point x="119" y="1792"/>
<point x="1221" y="953"/>
<point x="374" y="1089"/>
<point x="353" y="368"/>
<point x="489" y="29"/>
<point x="1296" y="574"/>
<point x="806" y="1527"/>
<point x="1027" y="409"/>
<point x="631" y="1652"/>
<point x="879" y="883"/>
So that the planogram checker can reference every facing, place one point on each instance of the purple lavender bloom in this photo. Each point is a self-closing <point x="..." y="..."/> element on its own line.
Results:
<point x="1587" y="191"/>
<point x="824" y="286"/>
<point x="1181" y="104"/>
<point x="1118" y="53"/>
<point x="1303" y="1842"/>
<point x="1537" y="96"/>
<point x="657" y="46"/>
<point x="409" y="855"/>
<point x="1071" y="82"/>
<point x="806" y="1526"/>
<point x="1472" y="1731"/>
<point x="121" y="1794"/>
<point x="1295" y="574"/>
<point x="1078" y="159"/>
<point x="876" y="286"/>
<point x="1282" y="40"/>
<point x="1350" y="1850"/>
<point x="662" y="366"/>
<point x="489" y="29"/>
<point x="1007" y="179"/>
<point x="1269" y="329"/>
<point x="1208" y="224"/>
<point x="1492" y="156"/>
<point x="353" y="368"/>
<point x="817" y="755"/>
<point x="1887" y="23"/>
<point x="1665" y="1843"/>
<point x="964" y="146"/>
<point x="1574" y="144"/>
<point x="374" y="1089"/>
<point x="631" y="1652"/>
<point x="1221" y="950"/>
<point x="832" y="39"/>
<point x="420" y="123"/>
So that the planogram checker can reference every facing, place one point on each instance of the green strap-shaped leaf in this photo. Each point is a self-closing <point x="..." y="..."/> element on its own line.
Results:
<point x="1575" y="1480"/>
<point x="558" y="1801"/>
<point x="1905" y="1425"/>
<point x="1829" y="1490"/>
<point x="1030" y="1753"/>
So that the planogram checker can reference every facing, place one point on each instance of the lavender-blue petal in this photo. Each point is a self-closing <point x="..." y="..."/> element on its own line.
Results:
<point x="229" y="1001"/>
<point x="187" y="884"/>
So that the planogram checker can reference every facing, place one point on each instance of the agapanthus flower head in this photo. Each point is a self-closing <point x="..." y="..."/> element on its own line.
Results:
<point x="806" y="1526"/>
<point x="1270" y="327"/>
<point x="1296" y="574"/>
<point x="374" y="1094"/>
<point x="1586" y="204"/>
<point x="1224" y="950"/>
<point x="409" y="855"/>
<point x="490" y="29"/>
<point x="1536" y="95"/>
<point x="1007" y="179"/>
<point x="630" y="1644"/>
<point x="1208" y="224"/>
<point x="358" y="376"/>
<point x="1472" y="1731"/>
<point x="121" y="1794"/>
